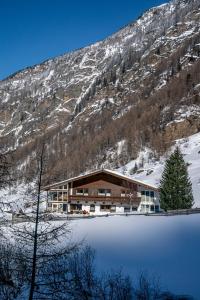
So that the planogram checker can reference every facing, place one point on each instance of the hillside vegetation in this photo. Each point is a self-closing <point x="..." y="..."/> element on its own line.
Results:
<point x="138" y="88"/>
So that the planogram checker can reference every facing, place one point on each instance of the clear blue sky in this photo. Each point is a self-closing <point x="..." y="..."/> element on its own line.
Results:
<point x="35" y="30"/>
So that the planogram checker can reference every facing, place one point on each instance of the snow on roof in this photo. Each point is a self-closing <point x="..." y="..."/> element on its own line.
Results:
<point x="115" y="173"/>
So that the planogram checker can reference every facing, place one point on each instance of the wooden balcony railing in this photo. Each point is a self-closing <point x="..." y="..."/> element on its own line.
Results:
<point x="97" y="198"/>
<point x="118" y="199"/>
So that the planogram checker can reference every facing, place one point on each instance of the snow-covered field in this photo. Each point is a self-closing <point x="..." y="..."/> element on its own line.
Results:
<point x="166" y="247"/>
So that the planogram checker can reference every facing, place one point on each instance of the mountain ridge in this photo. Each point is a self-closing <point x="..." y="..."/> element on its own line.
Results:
<point x="133" y="86"/>
<point x="131" y="23"/>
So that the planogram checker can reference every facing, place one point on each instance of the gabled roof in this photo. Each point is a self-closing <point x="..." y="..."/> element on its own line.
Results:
<point x="105" y="171"/>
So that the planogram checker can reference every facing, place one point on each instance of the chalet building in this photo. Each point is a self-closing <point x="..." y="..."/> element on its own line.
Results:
<point x="102" y="191"/>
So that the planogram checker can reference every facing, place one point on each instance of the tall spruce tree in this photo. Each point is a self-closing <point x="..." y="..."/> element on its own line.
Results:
<point x="175" y="185"/>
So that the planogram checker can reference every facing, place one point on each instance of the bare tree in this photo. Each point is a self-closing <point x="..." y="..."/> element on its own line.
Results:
<point x="35" y="242"/>
<point x="39" y="239"/>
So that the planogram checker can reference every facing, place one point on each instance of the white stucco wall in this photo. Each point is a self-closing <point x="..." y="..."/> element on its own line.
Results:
<point x="86" y="207"/>
<point x="119" y="209"/>
<point x="97" y="208"/>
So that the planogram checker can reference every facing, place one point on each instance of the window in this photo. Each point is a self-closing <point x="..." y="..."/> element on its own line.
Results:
<point x="146" y="195"/>
<point x="55" y="207"/>
<point x="76" y="207"/>
<point x="79" y="192"/>
<point x="104" y="192"/>
<point x="53" y="196"/>
<point x="101" y="192"/>
<point x="152" y="207"/>
<point x="105" y="207"/>
<point x="60" y="196"/>
<point x="152" y="194"/>
<point x="92" y="208"/>
<point x="65" y="197"/>
<point x="108" y="192"/>
<point x="83" y="192"/>
<point x="123" y="193"/>
<point x="113" y="208"/>
<point x="127" y="209"/>
<point x="64" y="207"/>
<point x="65" y="187"/>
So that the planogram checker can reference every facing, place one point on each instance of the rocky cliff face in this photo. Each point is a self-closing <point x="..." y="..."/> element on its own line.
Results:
<point x="139" y="87"/>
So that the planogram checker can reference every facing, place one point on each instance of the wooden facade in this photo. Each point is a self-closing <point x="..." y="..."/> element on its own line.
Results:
<point x="99" y="191"/>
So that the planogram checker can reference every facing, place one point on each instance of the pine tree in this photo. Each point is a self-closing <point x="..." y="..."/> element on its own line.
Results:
<point x="176" y="187"/>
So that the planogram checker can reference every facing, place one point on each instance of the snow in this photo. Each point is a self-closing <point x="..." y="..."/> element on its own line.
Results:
<point x="5" y="98"/>
<point x="110" y="50"/>
<point x="19" y="198"/>
<point x="197" y="87"/>
<point x="185" y="112"/>
<point x="50" y="75"/>
<point x="190" y="148"/>
<point x="186" y="33"/>
<point x="98" y="105"/>
<point x="165" y="247"/>
<point x="162" y="5"/>
<point x="60" y="108"/>
<point x="120" y="146"/>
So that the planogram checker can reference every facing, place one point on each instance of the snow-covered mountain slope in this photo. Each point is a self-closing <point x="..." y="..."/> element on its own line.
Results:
<point x="145" y="168"/>
<point x="151" y="170"/>
<point x="140" y="86"/>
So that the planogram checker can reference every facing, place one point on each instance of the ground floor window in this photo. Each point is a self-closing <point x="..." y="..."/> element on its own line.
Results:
<point x="152" y="208"/>
<point x="75" y="207"/>
<point x="92" y="208"/>
<point x="134" y="208"/>
<point x="55" y="207"/>
<point x="60" y="207"/>
<point x="64" y="207"/>
<point x="105" y="207"/>
<point x="127" y="209"/>
<point x="113" y="208"/>
<point x="145" y="208"/>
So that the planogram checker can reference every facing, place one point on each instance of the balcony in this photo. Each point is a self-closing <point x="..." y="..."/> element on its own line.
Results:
<point x="94" y="196"/>
<point x="133" y="200"/>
